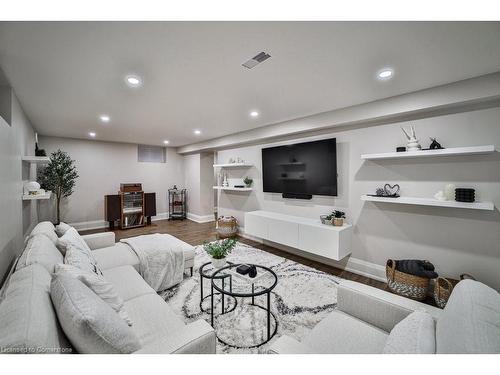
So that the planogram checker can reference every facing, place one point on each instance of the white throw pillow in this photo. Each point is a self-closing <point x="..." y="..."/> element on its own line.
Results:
<point x="73" y="238"/>
<point x="415" y="334"/>
<point x="47" y="229"/>
<point x="90" y="324"/>
<point x="99" y="285"/>
<point x="62" y="228"/>
<point x="81" y="260"/>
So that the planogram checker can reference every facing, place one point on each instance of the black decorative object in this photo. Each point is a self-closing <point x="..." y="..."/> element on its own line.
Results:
<point x="435" y="145"/>
<point x="177" y="203"/>
<point x="252" y="272"/>
<point x="391" y="190"/>
<point x="243" y="269"/>
<point x="239" y="186"/>
<point x="421" y="268"/>
<point x="401" y="149"/>
<point x="38" y="151"/>
<point x="465" y="195"/>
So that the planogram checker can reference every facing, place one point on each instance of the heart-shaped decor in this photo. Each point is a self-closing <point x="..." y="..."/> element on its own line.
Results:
<point x="391" y="190"/>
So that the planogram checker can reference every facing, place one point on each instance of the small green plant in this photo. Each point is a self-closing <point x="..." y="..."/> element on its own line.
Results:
<point x="248" y="181"/>
<point x="336" y="215"/>
<point x="220" y="249"/>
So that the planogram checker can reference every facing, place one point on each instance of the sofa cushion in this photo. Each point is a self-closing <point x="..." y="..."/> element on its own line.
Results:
<point x="153" y="318"/>
<point x="78" y="259"/>
<point x="90" y="324"/>
<point x="340" y="333"/>
<point x="73" y="238"/>
<point x="127" y="282"/>
<point x="47" y="229"/>
<point x="470" y="321"/>
<point x="115" y="256"/>
<point x="28" y="322"/>
<point x="415" y="334"/>
<point x="62" y="228"/>
<point x="40" y="249"/>
<point x="99" y="285"/>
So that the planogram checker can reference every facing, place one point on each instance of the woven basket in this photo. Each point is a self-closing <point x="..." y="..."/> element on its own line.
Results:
<point x="404" y="284"/>
<point x="442" y="291"/>
<point x="227" y="226"/>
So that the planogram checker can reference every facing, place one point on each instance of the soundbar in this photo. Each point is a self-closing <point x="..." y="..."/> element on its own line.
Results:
<point x="296" y="196"/>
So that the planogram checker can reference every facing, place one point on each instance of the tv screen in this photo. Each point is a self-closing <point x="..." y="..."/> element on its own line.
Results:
<point x="301" y="168"/>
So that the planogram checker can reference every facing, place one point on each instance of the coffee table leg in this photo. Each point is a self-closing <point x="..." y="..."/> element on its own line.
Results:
<point x="253" y="291"/>
<point x="222" y="296"/>
<point x="212" y="305"/>
<point x="268" y="315"/>
<point x="201" y="288"/>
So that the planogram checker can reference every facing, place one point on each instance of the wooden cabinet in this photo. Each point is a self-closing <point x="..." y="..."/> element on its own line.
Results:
<point x="114" y="210"/>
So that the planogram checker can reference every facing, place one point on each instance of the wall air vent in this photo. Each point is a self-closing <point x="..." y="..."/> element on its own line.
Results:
<point x="261" y="57"/>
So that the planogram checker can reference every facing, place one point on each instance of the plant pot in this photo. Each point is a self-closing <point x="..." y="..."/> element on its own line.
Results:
<point x="218" y="263"/>
<point x="338" y="222"/>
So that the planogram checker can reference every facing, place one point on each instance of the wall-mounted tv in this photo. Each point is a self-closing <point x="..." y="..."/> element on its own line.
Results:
<point x="308" y="168"/>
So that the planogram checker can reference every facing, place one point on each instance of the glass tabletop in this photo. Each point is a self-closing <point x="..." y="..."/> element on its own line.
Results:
<point x="207" y="270"/>
<point x="228" y="281"/>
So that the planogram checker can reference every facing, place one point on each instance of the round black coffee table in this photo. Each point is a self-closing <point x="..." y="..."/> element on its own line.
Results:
<point x="244" y="286"/>
<point x="207" y="271"/>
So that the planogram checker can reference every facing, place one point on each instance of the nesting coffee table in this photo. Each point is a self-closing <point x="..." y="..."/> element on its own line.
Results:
<point x="227" y="282"/>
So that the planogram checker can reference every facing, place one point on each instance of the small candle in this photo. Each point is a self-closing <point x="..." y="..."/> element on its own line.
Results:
<point x="36" y="137"/>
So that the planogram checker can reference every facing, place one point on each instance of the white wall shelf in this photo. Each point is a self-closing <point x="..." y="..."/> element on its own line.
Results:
<point x="36" y="159"/>
<point x="431" y="202"/>
<point x="474" y="150"/>
<point x="233" y="165"/>
<point x="32" y="197"/>
<point x="230" y="188"/>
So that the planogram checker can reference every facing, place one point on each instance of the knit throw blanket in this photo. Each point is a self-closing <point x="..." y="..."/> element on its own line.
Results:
<point x="161" y="260"/>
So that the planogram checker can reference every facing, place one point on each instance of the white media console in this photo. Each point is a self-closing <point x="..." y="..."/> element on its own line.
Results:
<point x="302" y="233"/>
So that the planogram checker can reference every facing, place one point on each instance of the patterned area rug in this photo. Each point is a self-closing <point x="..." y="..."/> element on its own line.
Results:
<point x="300" y="300"/>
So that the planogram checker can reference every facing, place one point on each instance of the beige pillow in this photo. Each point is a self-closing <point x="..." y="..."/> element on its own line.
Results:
<point x="90" y="324"/>
<point x="62" y="228"/>
<point x="99" y="285"/>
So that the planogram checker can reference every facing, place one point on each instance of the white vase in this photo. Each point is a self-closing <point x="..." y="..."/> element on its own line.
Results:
<point x="218" y="263"/>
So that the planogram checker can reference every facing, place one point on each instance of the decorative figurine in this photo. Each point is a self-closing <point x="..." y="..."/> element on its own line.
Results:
<point x="225" y="183"/>
<point x="440" y="196"/>
<point x="38" y="151"/>
<point x="435" y="145"/>
<point x="449" y="192"/>
<point x="413" y="144"/>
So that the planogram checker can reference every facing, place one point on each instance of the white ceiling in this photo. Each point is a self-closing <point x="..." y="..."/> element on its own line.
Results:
<point x="67" y="74"/>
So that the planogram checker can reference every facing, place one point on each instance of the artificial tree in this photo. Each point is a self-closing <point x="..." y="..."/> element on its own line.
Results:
<point x="59" y="176"/>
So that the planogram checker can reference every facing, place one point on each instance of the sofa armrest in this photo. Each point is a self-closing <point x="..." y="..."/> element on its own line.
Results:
<point x="377" y="307"/>
<point x="195" y="338"/>
<point x="288" y="345"/>
<point x="99" y="240"/>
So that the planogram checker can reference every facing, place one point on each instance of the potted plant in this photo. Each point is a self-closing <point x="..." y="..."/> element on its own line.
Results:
<point x="338" y="218"/>
<point x="59" y="176"/>
<point x="248" y="181"/>
<point x="218" y="250"/>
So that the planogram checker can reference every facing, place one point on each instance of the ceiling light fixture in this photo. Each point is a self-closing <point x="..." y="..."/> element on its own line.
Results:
<point x="166" y="142"/>
<point x="197" y="132"/>
<point x="385" y="74"/>
<point x="92" y="134"/>
<point x="104" y="118"/>
<point x="254" y="113"/>
<point x="133" y="80"/>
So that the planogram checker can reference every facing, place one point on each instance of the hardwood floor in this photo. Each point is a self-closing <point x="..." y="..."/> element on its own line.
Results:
<point x="196" y="233"/>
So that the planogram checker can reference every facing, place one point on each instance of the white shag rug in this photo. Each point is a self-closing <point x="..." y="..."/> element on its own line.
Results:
<point x="300" y="300"/>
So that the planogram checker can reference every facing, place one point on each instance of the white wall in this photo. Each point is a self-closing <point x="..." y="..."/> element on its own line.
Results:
<point x="102" y="166"/>
<point x="455" y="240"/>
<point x="17" y="216"/>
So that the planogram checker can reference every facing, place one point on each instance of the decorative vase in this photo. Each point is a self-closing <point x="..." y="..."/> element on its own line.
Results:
<point x="218" y="263"/>
<point x="338" y="221"/>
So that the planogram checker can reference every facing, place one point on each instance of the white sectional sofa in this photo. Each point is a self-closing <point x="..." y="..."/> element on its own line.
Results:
<point x="365" y="317"/>
<point x="29" y="323"/>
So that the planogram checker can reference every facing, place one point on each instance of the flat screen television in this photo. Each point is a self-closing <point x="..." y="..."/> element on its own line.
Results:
<point x="308" y="168"/>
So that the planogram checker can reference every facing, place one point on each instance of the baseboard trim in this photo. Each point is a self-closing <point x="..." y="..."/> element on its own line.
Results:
<point x="351" y="264"/>
<point x="200" y="218"/>
<point x="99" y="224"/>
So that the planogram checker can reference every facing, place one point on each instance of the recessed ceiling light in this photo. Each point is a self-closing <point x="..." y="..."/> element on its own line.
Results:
<point x="254" y="113"/>
<point x="104" y="118"/>
<point x="197" y="132"/>
<point x="385" y="74"/>
<point x="133" y="81"/>
<point x="166" y="142"/>
<point x="92" y="134"/>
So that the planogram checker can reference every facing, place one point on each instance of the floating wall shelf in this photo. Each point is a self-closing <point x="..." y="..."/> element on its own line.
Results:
<point x="431" y="202"/>
<point x="36" y="159"/>
<point x="229" y="188"/>
<point x="233" y="165"/>
<point x="474" y="150"/>
<point x="37" y="197"/>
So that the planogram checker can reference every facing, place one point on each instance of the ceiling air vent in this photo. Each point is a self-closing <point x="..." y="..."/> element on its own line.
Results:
<point x="261" y="57"/>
